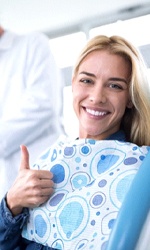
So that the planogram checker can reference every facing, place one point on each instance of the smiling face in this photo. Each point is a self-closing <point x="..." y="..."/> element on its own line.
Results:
<point x="100" y="94"/>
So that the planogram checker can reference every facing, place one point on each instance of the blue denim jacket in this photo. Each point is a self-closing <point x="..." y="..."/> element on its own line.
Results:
<point x="11" y="227"/>
<point x="10" y="231"/>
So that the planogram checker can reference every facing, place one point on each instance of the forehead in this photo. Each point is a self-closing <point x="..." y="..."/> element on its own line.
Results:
<point x="103" y="55"/>
<point x="101" y="61"/>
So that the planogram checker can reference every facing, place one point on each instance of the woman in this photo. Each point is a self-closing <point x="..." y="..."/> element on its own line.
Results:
<point x="80" y="184"/>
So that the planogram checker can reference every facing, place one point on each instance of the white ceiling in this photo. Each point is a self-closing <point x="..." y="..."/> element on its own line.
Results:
<point x="58" y="17"/>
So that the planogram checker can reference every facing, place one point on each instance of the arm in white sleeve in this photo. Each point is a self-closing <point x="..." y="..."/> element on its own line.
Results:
<point x="37" y="110"/>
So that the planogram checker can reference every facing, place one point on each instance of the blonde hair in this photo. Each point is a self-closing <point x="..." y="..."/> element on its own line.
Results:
<point x="136" y="121"/>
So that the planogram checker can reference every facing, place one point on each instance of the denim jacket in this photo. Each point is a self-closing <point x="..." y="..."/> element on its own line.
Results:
<point x="11" y="227"/>
<point x="10" y="231"/>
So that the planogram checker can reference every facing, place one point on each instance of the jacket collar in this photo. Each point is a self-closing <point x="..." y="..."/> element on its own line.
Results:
<point x="119" y="135"/>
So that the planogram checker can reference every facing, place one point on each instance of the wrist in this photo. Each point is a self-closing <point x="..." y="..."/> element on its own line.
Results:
<point x="12" y="205"/>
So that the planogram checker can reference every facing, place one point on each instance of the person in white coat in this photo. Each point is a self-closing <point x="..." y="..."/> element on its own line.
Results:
<point x="31" y="87"/>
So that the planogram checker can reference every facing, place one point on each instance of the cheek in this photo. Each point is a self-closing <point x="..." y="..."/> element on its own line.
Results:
<point x="75" y="102"/>
<point x="122" y="107"/>
<point x="119" y="103"/>
<point x="77" y="95"/>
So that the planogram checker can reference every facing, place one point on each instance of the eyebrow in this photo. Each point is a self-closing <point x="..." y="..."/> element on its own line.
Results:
<point x="118" y="79"/>
<point x="112" y="78"/>
<point x="87" y="73"/>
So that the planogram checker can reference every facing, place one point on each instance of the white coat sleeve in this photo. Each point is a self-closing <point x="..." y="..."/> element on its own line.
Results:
<point x="39" y="107"/>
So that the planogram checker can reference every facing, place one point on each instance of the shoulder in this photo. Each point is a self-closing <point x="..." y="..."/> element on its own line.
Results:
<point x="38" y="38"/>
<point x="30" y="40"/>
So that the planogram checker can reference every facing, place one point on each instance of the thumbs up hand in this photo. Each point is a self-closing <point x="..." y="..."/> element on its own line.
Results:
<point x="24" y="158"/>
<point x="31" y="187"/>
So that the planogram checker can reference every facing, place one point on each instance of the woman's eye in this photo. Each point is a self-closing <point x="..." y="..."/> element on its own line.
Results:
<point x="88" y="81"/>
<point x="115" y="86"/>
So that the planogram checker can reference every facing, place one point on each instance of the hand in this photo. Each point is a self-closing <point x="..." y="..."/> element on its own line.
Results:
<point x="31" y="187"/>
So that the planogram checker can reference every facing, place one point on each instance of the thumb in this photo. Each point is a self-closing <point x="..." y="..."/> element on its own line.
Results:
<point x="24" y="164"/>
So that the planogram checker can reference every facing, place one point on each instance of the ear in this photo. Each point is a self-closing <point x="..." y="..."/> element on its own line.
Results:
<point x="129" y="104"/>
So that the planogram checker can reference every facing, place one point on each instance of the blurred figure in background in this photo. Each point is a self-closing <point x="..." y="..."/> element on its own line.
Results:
<point x="31" y="109"/>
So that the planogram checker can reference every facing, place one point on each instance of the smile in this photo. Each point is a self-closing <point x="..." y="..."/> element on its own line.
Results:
<point x="96" y="113"/>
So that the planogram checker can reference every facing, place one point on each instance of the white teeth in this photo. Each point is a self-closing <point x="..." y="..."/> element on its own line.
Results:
<point x="96" y="113"/>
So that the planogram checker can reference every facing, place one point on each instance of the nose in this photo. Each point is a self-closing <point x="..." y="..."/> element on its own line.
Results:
<point x="98" y="95"/>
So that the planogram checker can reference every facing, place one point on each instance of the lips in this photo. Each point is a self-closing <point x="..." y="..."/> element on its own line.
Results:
<point x="96" y="112"/>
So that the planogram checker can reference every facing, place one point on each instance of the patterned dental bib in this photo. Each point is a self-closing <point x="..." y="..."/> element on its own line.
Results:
<point x="91" y="179"/>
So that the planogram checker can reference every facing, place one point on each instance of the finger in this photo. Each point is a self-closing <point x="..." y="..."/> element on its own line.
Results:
<point x="44" y="174"/>
<point x="48" y="192"/>
<point x="38" y="200"/>
<point x="46" y="183"/>
<point x="24" y="164"/>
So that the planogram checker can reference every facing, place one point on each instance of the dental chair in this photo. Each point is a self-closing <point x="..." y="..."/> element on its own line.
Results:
<point x="131" y="230"/>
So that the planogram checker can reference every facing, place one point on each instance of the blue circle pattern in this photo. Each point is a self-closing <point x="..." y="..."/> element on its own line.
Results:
<point x="91" y="180"/>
